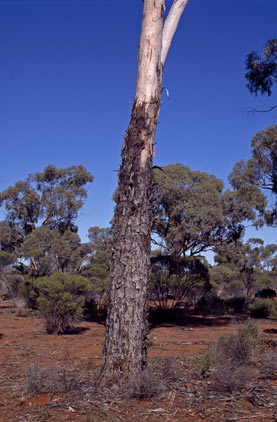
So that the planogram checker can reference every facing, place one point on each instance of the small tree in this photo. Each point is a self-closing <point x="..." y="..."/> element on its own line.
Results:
<point x="61" y="300"/>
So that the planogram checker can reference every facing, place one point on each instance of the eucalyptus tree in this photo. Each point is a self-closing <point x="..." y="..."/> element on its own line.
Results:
<point x="259" y="173"/>
<point x="40" y="224"/>
<point x="126" y="334"/>
<point x="250" y="263"/>
<point x="261" y="71"/>
<point x="193" y="213"/>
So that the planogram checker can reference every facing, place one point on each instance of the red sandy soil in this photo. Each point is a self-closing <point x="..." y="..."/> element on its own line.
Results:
<point x="24" y="344"/>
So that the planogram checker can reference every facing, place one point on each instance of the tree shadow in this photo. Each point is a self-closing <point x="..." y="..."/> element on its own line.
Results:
<point x="184" y="318"/>
<point x="271" y="331"/>
<point x="99" y="316"/>
<point x="76" y="330"/>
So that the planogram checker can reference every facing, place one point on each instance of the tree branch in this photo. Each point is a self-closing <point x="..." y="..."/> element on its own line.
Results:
<point x="254" y="110"/>
<point x="170" y="26"/>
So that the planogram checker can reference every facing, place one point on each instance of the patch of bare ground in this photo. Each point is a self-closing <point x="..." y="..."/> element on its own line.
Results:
<point x="52" y="377"/>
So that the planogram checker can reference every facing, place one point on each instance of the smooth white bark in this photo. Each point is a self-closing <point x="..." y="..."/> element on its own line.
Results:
<point x="150" y="51"/>
<point x="170" y="26"/>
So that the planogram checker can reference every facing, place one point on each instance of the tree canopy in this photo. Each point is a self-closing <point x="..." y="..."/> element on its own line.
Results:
<point x="259" y="173"/>
<point x="39" y="231"/>
<point x="262" y="70"/>
<point x="51" y="198"/>
<point x="193" y="213"/>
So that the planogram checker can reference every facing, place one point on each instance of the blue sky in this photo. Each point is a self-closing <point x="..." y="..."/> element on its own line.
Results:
<point x="67" y="80"/>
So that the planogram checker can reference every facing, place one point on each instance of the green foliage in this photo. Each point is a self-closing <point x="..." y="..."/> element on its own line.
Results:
<point x="262" y="71"/>
<point x="10" y="277"/>
<point x="258" y="175"/>
<point x="232" y="349"/>
<point x="193" y="213"/>
<point x="210" y="359"/>
<point x="263" y="308"/>
<point x="242" y="266"/>
<point x="238" y="347"/>
<point x="61" y="299"/>
<point x="47" y="250"/>
<point x="235" y="289"/>
<point x="98" y="275"/>
<point x="175" y="279"/>
<point x="100" y="239"/>
<point x="39" y="228"/>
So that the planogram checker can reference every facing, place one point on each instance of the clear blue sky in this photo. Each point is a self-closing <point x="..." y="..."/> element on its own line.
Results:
<point x="67" y="80"/>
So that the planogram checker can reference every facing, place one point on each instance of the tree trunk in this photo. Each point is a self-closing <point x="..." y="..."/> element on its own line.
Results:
<point x="125" y="344"/>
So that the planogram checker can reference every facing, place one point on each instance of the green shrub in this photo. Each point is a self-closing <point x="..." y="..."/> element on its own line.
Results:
<point x="262" y="308"/>
<point x="61" y="299"/>
<point x="231" y="349"/>
<point x="210" y="359"/>
<point x="239" y="346"/>
<point x="28" y="290"/>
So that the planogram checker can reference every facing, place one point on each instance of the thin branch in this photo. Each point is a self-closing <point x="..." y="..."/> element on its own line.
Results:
<point x="159" y="244"/>
<point x="254" y="110"/>
<point x="170" y="26"/>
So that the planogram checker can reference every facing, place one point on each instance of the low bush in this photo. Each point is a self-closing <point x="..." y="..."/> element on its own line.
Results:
<point x="145" y="387"/>
<point x="231" y="349"/>
<point x="238" y="347"/>
<point x="53" y="379"/>
<point x="262" y="308"/>
<point x="228" y="379"/>
<point x="61" y="300"/>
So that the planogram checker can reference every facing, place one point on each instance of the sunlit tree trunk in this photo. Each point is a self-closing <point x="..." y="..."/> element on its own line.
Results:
<point x="125" y="344"/>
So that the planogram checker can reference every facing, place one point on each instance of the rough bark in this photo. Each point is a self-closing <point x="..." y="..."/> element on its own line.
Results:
<point x="125" y="343"/>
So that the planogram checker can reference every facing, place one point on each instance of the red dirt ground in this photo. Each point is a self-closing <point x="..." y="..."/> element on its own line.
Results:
<point x="24" y="344"/>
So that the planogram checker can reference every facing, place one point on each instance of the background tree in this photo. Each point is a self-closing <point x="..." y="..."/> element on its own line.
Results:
<point x="39" y="229"/>
<point x="46" y="251"/>
<point x="245" y="263"/>
<point x="259" y="173"/>
<point x="126" y="334"/>
<point x="262" y="71"/>
<point x="51" y="198"/>
<point x="175" y="279"/>
<point x="98" y="266"/>
<point x="193" y="213"/>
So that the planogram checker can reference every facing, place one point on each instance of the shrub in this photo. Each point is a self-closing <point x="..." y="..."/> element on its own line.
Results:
<point x="53" y="379"/>
<point x="239" y="346"/>
<point x="28" y="290"/>
<point x="61" y="299"/>
<point x="228" y="379"/>
<point x="231" y="349"/>
<point x="210" y="359"/>
<point x="210" y="304"/>
<point x="262" y="308"/>
<point x="234" y="289"/>
<point x="146" y="386"/>
<point x="236" y="305"/>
